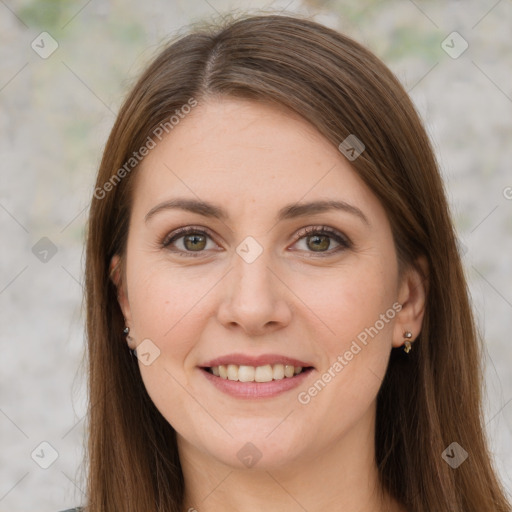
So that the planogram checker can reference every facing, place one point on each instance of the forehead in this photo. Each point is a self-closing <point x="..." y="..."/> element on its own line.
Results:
<point x="248" y="153"/>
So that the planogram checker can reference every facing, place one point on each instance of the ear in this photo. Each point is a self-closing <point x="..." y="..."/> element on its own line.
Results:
<point x="116" y="275"/>
<point x="412" y="294"/>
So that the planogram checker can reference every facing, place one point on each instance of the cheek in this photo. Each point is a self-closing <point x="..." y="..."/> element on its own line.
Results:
<point x="164" y="299"/>
<point x="166" y="309"/>
<point x="170" y="306"/>
<point x="347" y="301"/>
<point x="357" y="305"/>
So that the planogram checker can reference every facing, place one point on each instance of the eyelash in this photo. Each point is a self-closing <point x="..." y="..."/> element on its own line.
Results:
<point x="304" y="233"/>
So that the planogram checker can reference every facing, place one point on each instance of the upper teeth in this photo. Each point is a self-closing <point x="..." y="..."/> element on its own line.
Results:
<point x="255" y="374"/>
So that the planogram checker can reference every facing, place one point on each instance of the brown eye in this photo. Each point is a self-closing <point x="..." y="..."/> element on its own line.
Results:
<point x="189" y="241"/>
<point x="322" y="240"/>
<point x="194" y="242"/>
<point x="318" y="242"/>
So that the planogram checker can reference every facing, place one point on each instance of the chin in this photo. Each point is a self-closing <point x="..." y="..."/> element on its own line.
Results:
<point x="257" y="452"/>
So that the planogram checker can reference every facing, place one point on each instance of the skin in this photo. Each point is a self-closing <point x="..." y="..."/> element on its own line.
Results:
<point x="253" y="159"/>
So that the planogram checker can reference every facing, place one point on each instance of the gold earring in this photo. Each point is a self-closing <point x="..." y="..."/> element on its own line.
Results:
<point x="407" y="343"/>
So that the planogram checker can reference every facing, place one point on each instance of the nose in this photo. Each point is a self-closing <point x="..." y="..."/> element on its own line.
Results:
<point x="254" y="297"/>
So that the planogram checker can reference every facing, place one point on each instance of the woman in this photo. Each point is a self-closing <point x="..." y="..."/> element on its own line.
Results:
<point x="277" y="314"/>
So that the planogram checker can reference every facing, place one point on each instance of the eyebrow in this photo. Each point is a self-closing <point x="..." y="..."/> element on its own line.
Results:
<point x="287" y="212"/>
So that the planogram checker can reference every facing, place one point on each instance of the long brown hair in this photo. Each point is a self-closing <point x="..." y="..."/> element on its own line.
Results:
<point x="428" y="399"/>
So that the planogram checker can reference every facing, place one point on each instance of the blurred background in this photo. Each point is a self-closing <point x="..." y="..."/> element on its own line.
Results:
<point x="65" y="67"/>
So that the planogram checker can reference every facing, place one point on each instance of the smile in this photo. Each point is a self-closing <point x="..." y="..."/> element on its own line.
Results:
<point x="273" y="379"/>
<point x="266" y="373"/>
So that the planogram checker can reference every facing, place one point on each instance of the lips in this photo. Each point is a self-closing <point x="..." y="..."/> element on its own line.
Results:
<point x="251" y="377"/>
<point x="261" y="360"/>
<point x="249" y="390"/>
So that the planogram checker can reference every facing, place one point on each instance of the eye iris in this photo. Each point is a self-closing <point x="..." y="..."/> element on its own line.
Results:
<point x="320" y="242"/>
<point x="198" y="242"/>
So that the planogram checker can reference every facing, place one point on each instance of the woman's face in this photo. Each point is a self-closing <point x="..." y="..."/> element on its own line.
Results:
<point x="251" y="284"/>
